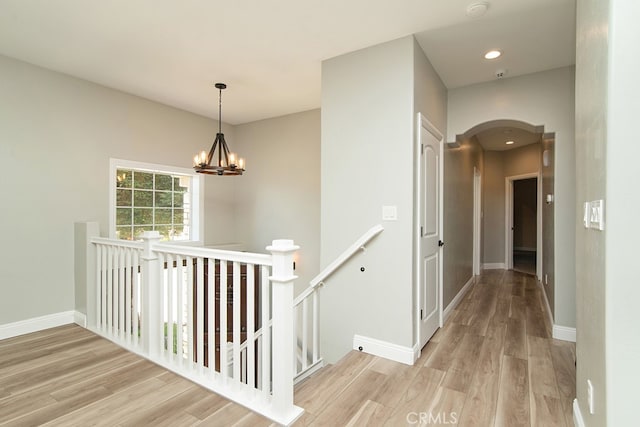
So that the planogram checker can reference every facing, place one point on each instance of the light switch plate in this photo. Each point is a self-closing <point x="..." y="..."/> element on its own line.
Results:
<point x="389" y="213"/>
<point x="596" y="214"/>
<point x="586" y="214"/>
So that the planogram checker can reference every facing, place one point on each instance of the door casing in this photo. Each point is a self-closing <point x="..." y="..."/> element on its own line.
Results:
<point x="423" y="122"/>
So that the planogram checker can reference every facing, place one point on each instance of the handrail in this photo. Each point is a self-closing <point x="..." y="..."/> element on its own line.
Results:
<point x="341" y="259"/>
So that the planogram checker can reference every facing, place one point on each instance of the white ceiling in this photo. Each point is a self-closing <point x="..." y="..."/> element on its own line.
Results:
<point x="269" y="52"/>
<point x="494" y="139"/>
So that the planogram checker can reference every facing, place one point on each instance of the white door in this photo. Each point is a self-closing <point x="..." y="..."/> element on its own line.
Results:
<point x="430" y="228"/>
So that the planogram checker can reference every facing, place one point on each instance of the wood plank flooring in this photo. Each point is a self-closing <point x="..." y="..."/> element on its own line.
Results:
<point x="492" y="364"/>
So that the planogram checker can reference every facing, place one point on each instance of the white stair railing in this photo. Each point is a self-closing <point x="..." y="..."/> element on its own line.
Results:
<point x="222" y="319"/>
<point x="306" y="314"/>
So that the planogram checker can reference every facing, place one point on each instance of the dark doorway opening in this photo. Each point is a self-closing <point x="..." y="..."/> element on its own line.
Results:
<point x="525" y="225"/>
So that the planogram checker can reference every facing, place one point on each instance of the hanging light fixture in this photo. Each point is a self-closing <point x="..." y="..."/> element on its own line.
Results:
<point x="221" y="162"/>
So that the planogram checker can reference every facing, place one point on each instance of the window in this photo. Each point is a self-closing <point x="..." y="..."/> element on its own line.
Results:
<point x="149" y="197"/>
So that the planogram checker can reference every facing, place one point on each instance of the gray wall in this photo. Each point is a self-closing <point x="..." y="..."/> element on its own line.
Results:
<point x="608" y="101"/>
<point x="368" y="121"/>
<point x="548" y="276"/>
<point x="498" y="166"/>
<point x="545" y="98"/>
<point x="367" y="162"/>
<point x="458" y="215"/>
<point x="279" y="196"/>
<point x="493" y="208"/>
<point x="57" y="134"/>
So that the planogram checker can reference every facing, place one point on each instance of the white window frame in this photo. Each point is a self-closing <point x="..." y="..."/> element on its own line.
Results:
<point x="196" y="237"/>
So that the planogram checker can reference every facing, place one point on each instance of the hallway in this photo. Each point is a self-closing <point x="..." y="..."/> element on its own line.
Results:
<point x="493" y="364"/>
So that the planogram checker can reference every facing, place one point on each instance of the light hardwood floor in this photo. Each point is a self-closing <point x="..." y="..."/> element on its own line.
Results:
<point x="493" y="364"/>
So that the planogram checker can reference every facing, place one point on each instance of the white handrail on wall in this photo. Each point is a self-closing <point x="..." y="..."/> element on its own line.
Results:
<point x="341" y="259"/>
<point x="306" y="316"/>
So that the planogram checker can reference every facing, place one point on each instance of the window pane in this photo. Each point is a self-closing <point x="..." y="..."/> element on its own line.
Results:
<point x="178" y="199"/>
<point x="142" y="216"/>
<point x="178" y="233"/>
<point x="143" y="198"/>
<point x="137" y="231"/>
<point x="143" y="180"/>
<point x="124" y="233"/>
<point x="123" y="216"/>
<point x="178" y="216"/>
<point x="163" y="216"/>
<point x="123" y="178"/>
<point x="123" y="197"/>
<point x="163" y="182"/>
<point x="181" y="184"/>
<point x="165" y="231"/>
<point x="163" y="199"/>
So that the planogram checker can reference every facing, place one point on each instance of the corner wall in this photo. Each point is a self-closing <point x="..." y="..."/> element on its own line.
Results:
<point x="279" y="195"/>
<point x="607" y="104"/>
<point x="366" y="163"/>
<point x="458" y="215"/>
<point x="57" y="134"/>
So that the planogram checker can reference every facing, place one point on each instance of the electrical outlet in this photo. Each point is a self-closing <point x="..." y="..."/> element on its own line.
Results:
<point x="590" y="396"/>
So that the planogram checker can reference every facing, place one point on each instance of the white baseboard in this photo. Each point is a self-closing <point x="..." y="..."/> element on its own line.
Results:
<point x="564" y="333"/>
<point x="546" y="302"/>
<point x="494" y="266"/>
<point x="35" y="324"/>
<point x="456" y="300"/>
<point x="398" y="353"/>
<point x="558" y="332"/>
<point x="577" y="415"/>
<point x="80" y="319"/>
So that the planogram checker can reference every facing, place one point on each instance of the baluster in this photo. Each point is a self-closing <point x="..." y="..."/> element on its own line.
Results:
<point x="316" y="322"/>
<point x="251" y="325"/>
<point x="171" y="318"/>
<point x="136" y="300"/>
<point x="180" y="309"/>
<point x="189" y="312"/>
<point x="127" y="294"/>
<point x="162" y="301"/>
<point x="211" y="319"/>
<point x="120" y="290"/>
<point x="200" y="313"/>
<point x="237" y="301"/>
<point x="265" y="294"/>
<point x="110" y="291"/>
<point x="103" y="287"/>
<point x="305" y="334"/>
<point x="224" y="368"/>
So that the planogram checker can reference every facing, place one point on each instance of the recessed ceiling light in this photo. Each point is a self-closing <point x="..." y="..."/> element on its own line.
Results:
<point x="476" y="10"/>
<point x="492" y="54"/>
<point x="509" y="142"/>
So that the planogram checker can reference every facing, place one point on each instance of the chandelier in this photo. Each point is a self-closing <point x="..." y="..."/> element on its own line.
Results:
<point x="219" y="161"/>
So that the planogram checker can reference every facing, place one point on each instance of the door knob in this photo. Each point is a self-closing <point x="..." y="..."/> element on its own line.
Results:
<point x="440" y="243"/>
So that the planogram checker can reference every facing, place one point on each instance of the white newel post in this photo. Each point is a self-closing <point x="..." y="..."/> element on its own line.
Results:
<point x="90" y="279"/>
<point x="282" y="305"/>
<point x="150" y="298"/>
